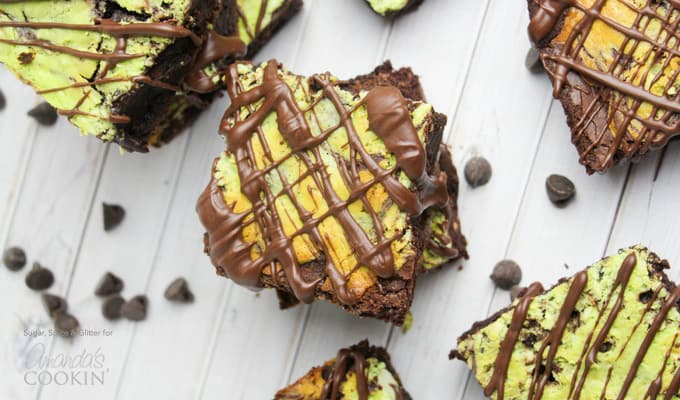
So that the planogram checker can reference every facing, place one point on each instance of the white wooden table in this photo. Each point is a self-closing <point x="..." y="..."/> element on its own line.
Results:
<point x="235" y="344"/>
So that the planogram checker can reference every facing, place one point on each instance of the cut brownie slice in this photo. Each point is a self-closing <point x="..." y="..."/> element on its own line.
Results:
<point x="120" y="70"/>
<point x="391" y="8"/>
<point x="323" y="189"/>
<point x="615" y="67"/>
<point x="609" y="332"/>
<point x="360" y="372"/>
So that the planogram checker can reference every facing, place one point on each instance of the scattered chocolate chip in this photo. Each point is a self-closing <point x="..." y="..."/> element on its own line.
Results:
<point x="111" y="309"/>
<point x="54" y="305"/>
<point x="113" y="215"/>
<point x="44" y="113"/>
<point x="3" y="101"/>
<point x="109" y="284"/>
<point x="478" y="172"/>
<point x="506" y="274"/>
<point x="66" y="325"/>
<point x="560" y="189"/>
<point x="515" y="291"/>
<point x="14" y="258"/>
<point x="533" y="61"/>
<point x="135" y="309"/>
<point x="39" y="278"/>
<point x="179" y="291"/>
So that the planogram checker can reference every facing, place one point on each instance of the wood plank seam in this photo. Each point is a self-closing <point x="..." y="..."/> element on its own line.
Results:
<point x="81" y="237"/>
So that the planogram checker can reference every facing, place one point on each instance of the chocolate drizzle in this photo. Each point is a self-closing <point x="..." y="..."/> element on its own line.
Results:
<point x="346" y="360"/>
<point x="389" y="119"/>
<point x="614" y="119"/>
<point x="500" y="369"/>
<point x="544" y="365"/>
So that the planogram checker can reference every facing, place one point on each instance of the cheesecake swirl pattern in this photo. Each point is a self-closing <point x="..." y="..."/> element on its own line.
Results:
<point x="631" y="103"/>
<point x="389" y="119"/>
<point x="544" y="364"/>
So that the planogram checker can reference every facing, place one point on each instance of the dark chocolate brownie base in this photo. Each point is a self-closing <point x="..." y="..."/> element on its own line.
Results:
<point x="655" y="261"/>
<point x="147" y="105"/>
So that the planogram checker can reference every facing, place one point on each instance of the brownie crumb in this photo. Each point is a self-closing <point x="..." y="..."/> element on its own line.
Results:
<point x="506" y="274"/>
<point x="44" y="114"/>
<point x="14" y="258"/>
<point x="3" y="101"/>
<point x="39" y="278"/>
<point x="113" y="216"/>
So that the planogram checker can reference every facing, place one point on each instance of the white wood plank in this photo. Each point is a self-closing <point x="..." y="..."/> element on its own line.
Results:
<point x="568" y="238"/>
<point x="329" y="328"/>
<point x="501" y="117"/>
<point x="52" y="207"/>
<point x="143" y="184"/>
<point x="649" y="209"/>
<point x="16" y="141"/>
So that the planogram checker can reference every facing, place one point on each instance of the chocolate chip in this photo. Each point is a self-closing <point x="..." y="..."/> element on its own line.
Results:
<point x="26" y="58"/>
<point x="3" y="101"/>
<point x="109" y="284"/>
<point x="111" y="309"/>
<point x="66" y="325"/>
<point x="135" y="309"/>
<point x="113" y="215"/>
<point x="39" y="278"/>
<point x="54" y="305"/>
<point x="646" y="297"/>
<point x="44" y="113"/>
<point x="560" y="189"/>
<point x="506" y="274"/>
<point x="14" y="258"/>
<point x="179" y="291"/>
<point x="478" y="172"/>
<point x="515" y="291"/>
<point x="533" y="61"/>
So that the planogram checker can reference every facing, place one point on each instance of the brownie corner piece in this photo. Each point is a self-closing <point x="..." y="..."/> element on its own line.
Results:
<point x="121" y="73"/>
<point x="609" y="331"/>
<point x="617" y="81"/>
<point x="360" y="371"/>
<point x="345" y="203"/>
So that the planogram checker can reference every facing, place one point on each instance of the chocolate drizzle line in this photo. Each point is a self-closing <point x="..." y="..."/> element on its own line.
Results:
<point x="345" y="361"/>
<point x="500" y="369"/>
<point x="213" y="47"/>
<point x="544" y="365"/>
<point x="664" y="119"/>
<point x="389" y="119"/>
